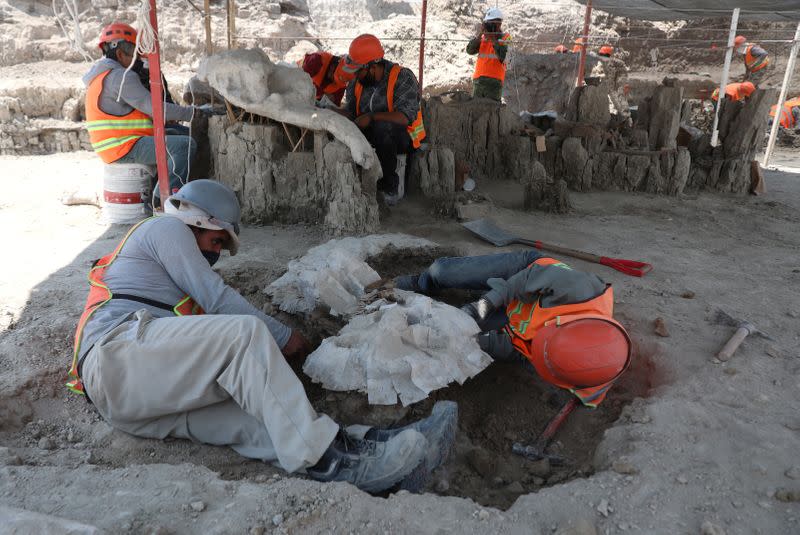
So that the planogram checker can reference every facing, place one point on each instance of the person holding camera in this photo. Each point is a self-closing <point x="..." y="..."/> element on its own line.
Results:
<point x="491" y="45"/>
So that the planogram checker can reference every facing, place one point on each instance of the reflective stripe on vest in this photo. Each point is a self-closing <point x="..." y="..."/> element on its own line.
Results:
<point x="525" y="320"/>
<point x="416" y="129"/>
<point x="99" y="295"/>
<point x="489" y="64"/>
<point x="112" y="136"/>
<point x="754" y="63"/>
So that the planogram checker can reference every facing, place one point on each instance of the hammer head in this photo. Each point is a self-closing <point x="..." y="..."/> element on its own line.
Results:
<point x="533" y="453"/>
<point x="723" y="318"/>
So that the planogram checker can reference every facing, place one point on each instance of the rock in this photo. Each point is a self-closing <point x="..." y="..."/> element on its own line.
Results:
<point x="441" y="486"/>
<point x="660" y="327"/>
<point x="473" y="210"/>
<point x="793" y="472"/>
<point x="9" y="458"/>
<point x="540" y="468"/>
<point x="483" y="515"/>
<point x="624" y="467"/>
<point x="46" y="443"/>
<point x="604" y="508"/>
<point x="258" y="530"/>
<point x="578" y="526"/>
<point x="198" y="506"/>
<point x="262" y="478"/>
<point x="277" y="520"/>
<point x="682" y="479"/>
<point x="482" y="462"/>
<point x="772" y="351"/>
<point x="515" y="488"/>
<point x="787" y="495"/>
<point x="688" y="294"/>
<point x="708" y="528"/>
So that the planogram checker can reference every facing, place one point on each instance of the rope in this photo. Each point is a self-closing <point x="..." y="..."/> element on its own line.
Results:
<point x="76" y="38"/>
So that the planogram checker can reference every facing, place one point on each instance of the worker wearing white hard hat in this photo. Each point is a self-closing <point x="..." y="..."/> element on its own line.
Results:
<point x="491" y="46"/>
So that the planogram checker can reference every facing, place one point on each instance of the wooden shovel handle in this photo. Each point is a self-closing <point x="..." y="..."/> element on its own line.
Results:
<point x="731" y="345"/>
<point x="574" y="253"/>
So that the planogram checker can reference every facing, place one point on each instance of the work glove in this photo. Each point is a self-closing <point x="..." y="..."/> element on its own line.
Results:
<point x="479" y="310"/>
<point x="208" y="109"/>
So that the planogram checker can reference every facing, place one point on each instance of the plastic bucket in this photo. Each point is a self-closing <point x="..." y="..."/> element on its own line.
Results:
<point x="126" y="191"/>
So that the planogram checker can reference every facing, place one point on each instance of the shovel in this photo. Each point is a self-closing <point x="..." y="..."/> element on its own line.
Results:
<point x="488" y="231"/>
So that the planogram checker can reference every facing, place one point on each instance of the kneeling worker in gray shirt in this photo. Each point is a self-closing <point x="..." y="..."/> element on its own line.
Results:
<point x="165" y="348"/>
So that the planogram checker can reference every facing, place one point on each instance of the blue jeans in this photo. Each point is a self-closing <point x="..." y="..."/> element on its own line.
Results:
<point x="182" y="150"/>
<point x="471" y="273"/>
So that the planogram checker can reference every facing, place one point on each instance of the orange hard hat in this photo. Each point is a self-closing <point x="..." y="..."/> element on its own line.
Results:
<point x="561" y="49"/>
<point x="739" y="41"/>
<point x="585" y="352"/>
<point x="116" y="31"/>
<point x="364" y="49"/>
<point x="746" y="89"/>
<point x="341" y="75"/>
<point x="606" y="50"/>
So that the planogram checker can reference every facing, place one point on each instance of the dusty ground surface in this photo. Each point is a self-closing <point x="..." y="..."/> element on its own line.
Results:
<point x="684" y="442"/>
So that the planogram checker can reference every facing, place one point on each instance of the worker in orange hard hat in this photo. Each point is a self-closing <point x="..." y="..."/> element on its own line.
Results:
<point x="119" y="109"/>
<point x="560" y="49"/>
<point x="756" y="59"/>
<point x="491" y="45"/>
<point x="384" y="102"/>
<point x="790" y="114"/>
<point x="578" y="45"/>
<point x="328" y="75"/>
<point x="539" y="311"/>
<point x="739" y="91"/>
<point x="606" y="51"/>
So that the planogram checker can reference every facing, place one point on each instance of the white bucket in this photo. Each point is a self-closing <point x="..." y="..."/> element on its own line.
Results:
<point x="126" y="191"/>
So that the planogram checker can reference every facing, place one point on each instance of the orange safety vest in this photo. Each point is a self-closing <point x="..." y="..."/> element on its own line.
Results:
<point x="525" y="320"/>
<point x="99" y="295"/>
<point x="319" y="78"/>
<point x="488" y="64"/>
<point x="754" y="63"/>
<point x="113" y="136"/>
<point x="787" y="118"/>
<point x="416" y="130"/>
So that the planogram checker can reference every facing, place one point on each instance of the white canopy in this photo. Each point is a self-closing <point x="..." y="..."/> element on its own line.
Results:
<point x="768" y="10"/>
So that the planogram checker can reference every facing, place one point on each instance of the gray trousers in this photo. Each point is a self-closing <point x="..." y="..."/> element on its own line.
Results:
<point x="215" y="379"/>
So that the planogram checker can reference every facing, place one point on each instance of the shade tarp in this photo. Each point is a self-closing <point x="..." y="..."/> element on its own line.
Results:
<point x="767" y="10"/>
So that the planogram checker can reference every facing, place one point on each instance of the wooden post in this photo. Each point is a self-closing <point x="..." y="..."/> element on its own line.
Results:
<point x="782" y="97"/>
<point x="422" y="43"/>
<point x="231" y="9"/>
<point x="157" y="101"/>
<point x="207" y="21"/>
<point x="725" y="71"/>
<point x="587" y="19"/>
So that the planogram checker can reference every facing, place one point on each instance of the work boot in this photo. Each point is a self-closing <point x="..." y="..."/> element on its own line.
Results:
<point x="409" y="283"/>
<point x="372" y="466"/>
<point x="440" y="431"/>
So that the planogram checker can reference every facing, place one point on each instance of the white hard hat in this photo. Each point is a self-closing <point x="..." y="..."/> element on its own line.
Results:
<point x="207" y="204"/>
<point x="493" y="13"/>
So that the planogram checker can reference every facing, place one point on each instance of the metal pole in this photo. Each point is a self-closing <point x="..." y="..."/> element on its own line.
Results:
<point x="725" y="70"/>
<point x="422" y="43"/>
<point x="157" y="100"/>
<point x="782" y="97"/>
<point x="587" y="19"/>
<point x="207" y="21"/>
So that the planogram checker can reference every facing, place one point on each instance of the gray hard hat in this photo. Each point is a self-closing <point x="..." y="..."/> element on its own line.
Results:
<point x="215" y="200"/>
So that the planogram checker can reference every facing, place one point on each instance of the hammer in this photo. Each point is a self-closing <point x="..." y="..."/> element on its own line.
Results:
<point x="536" y="451"/>
<point x="743" y="330"/>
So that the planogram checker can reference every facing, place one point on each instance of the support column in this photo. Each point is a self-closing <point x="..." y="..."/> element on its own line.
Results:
<point x="782" y="97"/>
<point x="157" y="101"/>
<point x="422" y="43"/>
<point x="587" y="19"/>
<point x="231" y="9"/>
<point x="207" y="23"/>
<point x="725" y="71"/>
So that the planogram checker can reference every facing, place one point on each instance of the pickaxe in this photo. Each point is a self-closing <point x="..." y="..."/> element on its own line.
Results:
<point x="743" y="330"/>
<point x="537" y="450"/>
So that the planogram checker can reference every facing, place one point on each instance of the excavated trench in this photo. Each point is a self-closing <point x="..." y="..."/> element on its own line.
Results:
<point x="502" y="405"/>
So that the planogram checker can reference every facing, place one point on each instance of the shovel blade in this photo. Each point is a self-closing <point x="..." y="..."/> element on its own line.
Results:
<point x="488" y="231"/>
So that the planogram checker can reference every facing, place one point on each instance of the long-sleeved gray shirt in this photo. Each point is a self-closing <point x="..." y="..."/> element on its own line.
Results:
<point x="551" y="285"/>
<point x="161" y="261"/>
<point x="134" y="94"/>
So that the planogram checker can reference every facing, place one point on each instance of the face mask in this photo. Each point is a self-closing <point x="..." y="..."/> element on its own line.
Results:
<point x="211" y="256"/>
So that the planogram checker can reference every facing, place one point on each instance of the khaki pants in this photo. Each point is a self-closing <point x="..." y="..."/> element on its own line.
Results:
<point x="216" y="379"/>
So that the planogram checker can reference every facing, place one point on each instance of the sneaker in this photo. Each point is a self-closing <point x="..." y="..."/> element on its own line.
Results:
<point x="372" y="466"/>
<point x="409" y="283"/>
<point x="439" y="430"/>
